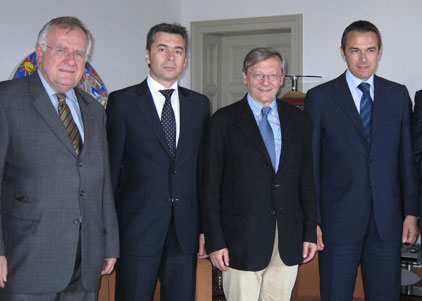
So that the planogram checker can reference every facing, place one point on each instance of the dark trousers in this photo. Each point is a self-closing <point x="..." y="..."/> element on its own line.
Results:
<point x="380" y="263"/>
<point x="136" y="276"/>
<point x="74" y="290"/>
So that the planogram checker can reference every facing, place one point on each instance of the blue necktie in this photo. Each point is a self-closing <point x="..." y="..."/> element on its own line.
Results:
<point x="168" y="121"/>
<point x="267" y="134"/>
<point x="366" y="110"/>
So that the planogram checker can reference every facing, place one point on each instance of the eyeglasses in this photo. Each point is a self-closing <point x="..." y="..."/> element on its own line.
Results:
<point x="79" y="55"/>
<point x="261" y="76"/>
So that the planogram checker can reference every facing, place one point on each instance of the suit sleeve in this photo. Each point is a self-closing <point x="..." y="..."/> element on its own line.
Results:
<point x="116" y="135"/>
<point x="417" y="132"/>
<point x="4" y="144"/>
<point x="212" y="192"/>
<point x="201" y="158"/>
<point x="109" y="209"/>
<point x="311" y="107"/>
<point x="407" y="165"/>
<point x="307" y="186"/>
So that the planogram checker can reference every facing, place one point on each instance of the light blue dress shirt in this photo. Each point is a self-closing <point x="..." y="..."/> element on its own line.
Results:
<point x="353" y="82"/>
<point x="71" y="101"/>
<point x="274" y="121"/>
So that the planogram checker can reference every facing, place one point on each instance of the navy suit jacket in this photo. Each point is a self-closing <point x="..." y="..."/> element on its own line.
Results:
<point x="351" y="175"/>
<point x="146" y="181"/>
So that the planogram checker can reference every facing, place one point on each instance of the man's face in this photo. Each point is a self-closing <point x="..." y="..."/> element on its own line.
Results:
<point x="167" y="58"/>
<point x="266" y="89"/>
<point x="361" y="53"/>
<point x="63" y="72"/>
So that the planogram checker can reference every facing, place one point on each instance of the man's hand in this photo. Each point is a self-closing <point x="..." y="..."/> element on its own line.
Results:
<point x="3" y="271"/>
<point x="320" y="244"/>
<point x="220" y="259"/>
<point x="309" y="250"/>
<point x="202" y="253"/>
<point x="108" y="266"/>
<point x="410" y="229"/>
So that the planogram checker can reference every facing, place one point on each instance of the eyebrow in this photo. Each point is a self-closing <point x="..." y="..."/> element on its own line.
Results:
<point x="167" y="46"/>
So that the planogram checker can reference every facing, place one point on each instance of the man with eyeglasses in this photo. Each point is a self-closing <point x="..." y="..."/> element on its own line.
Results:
<point x="155" y="131"/>
<point x="59" y="229"/>
<point x="259" y="200"/>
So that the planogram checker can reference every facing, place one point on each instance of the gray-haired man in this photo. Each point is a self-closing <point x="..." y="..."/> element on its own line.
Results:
<point x="59" y="228"/>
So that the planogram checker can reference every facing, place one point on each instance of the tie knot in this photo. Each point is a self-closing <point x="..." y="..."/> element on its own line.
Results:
<point x="61" y="96"/>
<point x="265" y="111"/>
<point x="167" y="93"/>
<point x="364" y="87"/>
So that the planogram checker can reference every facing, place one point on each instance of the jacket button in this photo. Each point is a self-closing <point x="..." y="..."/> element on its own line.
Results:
<point x="80" y="164"/>
<point x="81" y="193"/>
<point x="272" y="211"/>
<point x="276" y="186"/>
<point x="76" y="221"/>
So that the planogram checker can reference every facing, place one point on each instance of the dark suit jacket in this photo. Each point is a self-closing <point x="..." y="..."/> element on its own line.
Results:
<point x="351" y="175"/>
<point x="146" y="182"/>
<point x="244" y="197"/>
<point x="46" y="187"/>
<point x="417" y="136"/>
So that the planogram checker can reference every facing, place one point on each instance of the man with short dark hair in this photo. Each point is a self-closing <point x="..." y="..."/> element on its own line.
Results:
<point x="364" y="172"/>
<point x="259" y="199"/>
<point x="59" y="228"/>
<point x="155" y="132"/>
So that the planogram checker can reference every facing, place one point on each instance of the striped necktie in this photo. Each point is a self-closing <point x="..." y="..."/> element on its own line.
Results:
<point x="366" y="110"/>
<point x="68" y="123"/>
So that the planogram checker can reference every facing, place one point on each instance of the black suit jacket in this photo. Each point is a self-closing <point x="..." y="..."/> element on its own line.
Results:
<point x="244" y="197"/>
<point x="417" y="139"/>
<point x="146" y="181"/>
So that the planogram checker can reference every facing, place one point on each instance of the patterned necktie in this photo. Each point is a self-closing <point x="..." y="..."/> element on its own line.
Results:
<point x="366" y="110"/>
<point x="267" y="134"/>
<point x="168" y="121"/>
<point x="68" y="123"/>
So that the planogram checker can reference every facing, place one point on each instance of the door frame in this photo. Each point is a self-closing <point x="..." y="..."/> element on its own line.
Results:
<point x="293" y="23"/>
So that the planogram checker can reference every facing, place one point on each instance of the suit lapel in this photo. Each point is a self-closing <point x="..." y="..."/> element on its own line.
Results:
<point x="382" y="104"/>
<point x="247" y="124"/>
<point x="147" y="108"/>
<point x="286" y="134"/>
<point x="343" y="97"/>
<point x="87" y="119"/>
<point x="185" y="119"/>
<point x="44" y="107"/>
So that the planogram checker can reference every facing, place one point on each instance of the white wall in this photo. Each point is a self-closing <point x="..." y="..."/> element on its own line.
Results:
<point x="119" y="29"/>
<point x="400" y="23"/>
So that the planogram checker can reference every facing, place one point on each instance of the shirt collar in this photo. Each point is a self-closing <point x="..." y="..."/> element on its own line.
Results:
<point x="156" y="86"/>
<point x="355" y="82"/>
<point x="70" y="94"/>
<point x="257" y="107"/>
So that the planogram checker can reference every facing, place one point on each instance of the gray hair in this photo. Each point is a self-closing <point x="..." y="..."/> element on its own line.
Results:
<point x="64" y="22"/>
<point x="260" y="54"/>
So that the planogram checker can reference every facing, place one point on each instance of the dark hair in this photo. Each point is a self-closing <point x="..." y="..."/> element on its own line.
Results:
<point x="260" y="54"/>
<point x="168" y="28"/>
<point x="361" y="26"/>
<point x="64" y="22"/>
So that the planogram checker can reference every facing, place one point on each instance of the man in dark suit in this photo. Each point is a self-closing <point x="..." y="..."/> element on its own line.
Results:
<point x="58" y="222"/>
<point x="155" y="131"/>
<point x="364" y="172"/>
<point x="417" y="141"/>
<point x="259" y="200"/>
